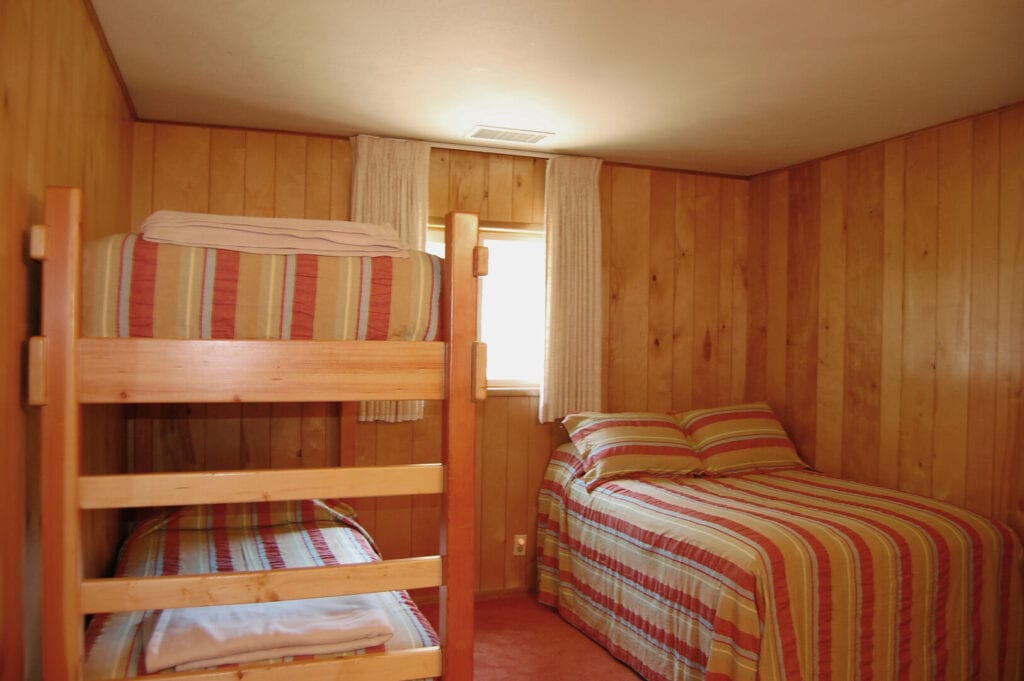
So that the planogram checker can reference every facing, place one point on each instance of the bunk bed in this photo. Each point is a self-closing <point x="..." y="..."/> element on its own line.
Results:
<point x="68" y="370"/>
<point x="700" y="546"/>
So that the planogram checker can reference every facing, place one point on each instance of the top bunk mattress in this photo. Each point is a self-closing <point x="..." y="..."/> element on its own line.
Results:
<point x="136" y="288"/>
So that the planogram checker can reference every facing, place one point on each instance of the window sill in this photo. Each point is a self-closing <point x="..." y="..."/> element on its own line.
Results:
<point x="513" y="391"/>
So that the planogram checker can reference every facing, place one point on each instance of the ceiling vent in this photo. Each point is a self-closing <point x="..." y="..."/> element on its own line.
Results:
<point x="491" y="133"/>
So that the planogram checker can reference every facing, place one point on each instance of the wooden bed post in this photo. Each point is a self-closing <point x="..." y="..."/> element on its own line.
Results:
<point x="59" y="438"/>
<point x="459" y="447"/>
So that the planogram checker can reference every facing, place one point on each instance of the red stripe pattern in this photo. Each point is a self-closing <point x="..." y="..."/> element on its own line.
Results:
<point x="304" y="301"/>
<point x="136" y="288"/>
<point x="783" y="574"/>
<point x="379" y="319"/>
<point x="143" y="289"/>
<point x="225" y="294"/>
<point x="240" y="538"/>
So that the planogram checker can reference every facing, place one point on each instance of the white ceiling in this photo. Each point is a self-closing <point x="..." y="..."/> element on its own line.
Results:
<point x="727" y="86"/>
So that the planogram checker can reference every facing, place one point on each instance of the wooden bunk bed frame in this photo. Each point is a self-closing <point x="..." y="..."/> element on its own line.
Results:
<point x="67" y="371"/>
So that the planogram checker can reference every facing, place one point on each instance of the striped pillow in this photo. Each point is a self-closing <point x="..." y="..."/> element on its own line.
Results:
<point x="739" y="438"/>
<point x="630" y="445"/>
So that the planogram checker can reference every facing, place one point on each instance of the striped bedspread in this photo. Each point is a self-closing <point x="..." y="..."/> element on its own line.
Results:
<point x="237" y="538"/>
<point x="133" y="287"/>
<point x="780" y="575"/>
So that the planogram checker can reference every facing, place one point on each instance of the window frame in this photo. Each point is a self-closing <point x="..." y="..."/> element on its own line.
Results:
<point x="512" y="231"/>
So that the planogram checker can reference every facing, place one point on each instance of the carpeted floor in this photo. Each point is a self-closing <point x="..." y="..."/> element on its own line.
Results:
<point x="517" y="638"/>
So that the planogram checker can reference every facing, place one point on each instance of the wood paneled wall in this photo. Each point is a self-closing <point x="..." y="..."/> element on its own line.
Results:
<point x="874" y="298"/>
<point x="893" y="311"/>
<point x="63" y="121"/>
<point x="260" y="173"/>
<point x="676" y="265"/>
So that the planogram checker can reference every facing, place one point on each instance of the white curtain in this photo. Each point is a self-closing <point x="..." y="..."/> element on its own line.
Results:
<point x="572" y="338"/>
<point x="390" y="185"/>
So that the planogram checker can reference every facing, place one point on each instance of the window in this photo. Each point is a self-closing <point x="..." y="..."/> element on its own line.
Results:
<point x="511" y="303"/>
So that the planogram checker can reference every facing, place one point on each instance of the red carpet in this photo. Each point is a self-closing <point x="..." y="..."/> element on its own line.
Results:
<point x="517" y="638"/>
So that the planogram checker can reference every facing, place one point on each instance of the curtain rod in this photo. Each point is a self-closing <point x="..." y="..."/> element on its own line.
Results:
<point x="491" y="150"/>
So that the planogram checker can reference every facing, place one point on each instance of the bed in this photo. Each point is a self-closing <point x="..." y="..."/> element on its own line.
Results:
<point x="773" y="572"/>
<point x="160" y="323"/>
<point x="239" y="538"/>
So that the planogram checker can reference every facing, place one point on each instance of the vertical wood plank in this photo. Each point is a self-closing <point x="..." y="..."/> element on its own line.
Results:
<point x="1009" y="462"/>
<point x="173" y="446"/>
<point x="142" y="173"/>
<point x="286" y="436"/>
<point x="255" y="436"/>
<point x="891" y="389"/>
<point x="522" y="189"/>
<point x="802" y="308"/>
<point x="348" y="413"/>
<point x="980" y="476"/>
<point x="757" y="285"/>
<point x="862" y="373"/>
<point x="706" y="285"/>
<point x="740" y="292"/>
<point x="426" y="509"/>
<point x="196" y="434"/>
<point x="520" y="422"/>
<point x="366" y="455"/>
<point x="313" y="433"/>
<point x="141" y="434"/>
<point x="181" y="168"/>
<point x="919" y="309"/>
<point x="500" y="183"/>
<point x="259" y="174"/>
<point x="953" y="316"/>
<point x="778" y="224"/>
<point x="318" y="178"/>
<point x="540" y="170"/>
<point x="493" y="456"/>
<point x="440" y="170"/>
<point x="610" y="340"/>
<point x="394" y="514"/>
<point x="289" y="176"/>
<point x="726" y="258"/>
<point x="468" y="182"/>
<point x="682" y="316"/>
<point x="831" y="317"/>
<point x="661" y="301"/>
<point x="341" y="179"/>
<point x="223" y="437"/>
<point x="540" y="447"/>
<point x="631" y="191"/>
<point x="227" y="171"/>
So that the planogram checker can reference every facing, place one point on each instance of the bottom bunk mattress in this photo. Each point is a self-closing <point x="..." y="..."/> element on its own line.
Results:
<point x="238" y="538"/>
<point x="788" y="574"/>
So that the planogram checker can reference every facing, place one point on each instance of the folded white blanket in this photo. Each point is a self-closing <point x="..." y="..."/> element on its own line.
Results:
<point x="192" y="638"/>
<point x="276" y="236"/>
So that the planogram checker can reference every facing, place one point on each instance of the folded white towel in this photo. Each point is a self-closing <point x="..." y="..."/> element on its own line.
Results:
<point x="276" y="236"/>
<point x="192" y="638"/>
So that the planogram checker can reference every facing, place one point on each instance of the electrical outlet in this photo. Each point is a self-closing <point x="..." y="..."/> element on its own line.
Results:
<point x="519" y="545"/>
